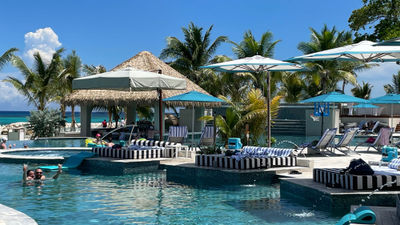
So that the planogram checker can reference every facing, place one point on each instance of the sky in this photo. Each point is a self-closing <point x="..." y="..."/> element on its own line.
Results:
<point x="110" y="32"/>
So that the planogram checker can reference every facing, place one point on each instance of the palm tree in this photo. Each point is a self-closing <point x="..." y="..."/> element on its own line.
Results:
<point x="251" y="110"/>
<point x="323" y="76"/>
<point x="40" y="83"/>
<point x="195" y="51"/>
<point x="72" y="69"/>
<point x="363" y="91"/>
<point x="393" y="88"/>
<point x="6" y="57"/>
<point x="250" y="47"/>
<point x="292" y="87"/>
<point x="92" y="69"/>
<point x="235" y="86"/>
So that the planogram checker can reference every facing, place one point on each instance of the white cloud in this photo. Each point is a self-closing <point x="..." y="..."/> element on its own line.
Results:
<point x="11" y="99"/>
<point x="44" y="40"/>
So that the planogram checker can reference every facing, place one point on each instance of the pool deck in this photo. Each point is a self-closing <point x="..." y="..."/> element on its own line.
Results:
<point x="10" y="216"/>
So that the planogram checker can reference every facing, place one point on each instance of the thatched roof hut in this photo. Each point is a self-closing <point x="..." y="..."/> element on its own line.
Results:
<point x="143" y="61"/>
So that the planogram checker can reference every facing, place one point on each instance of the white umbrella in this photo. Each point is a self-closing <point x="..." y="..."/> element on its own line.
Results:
<point x="132" y="79"/>
<point x="364" y="51"/>
<point x="129" y="79"/>
<point x="392" y="42"/>
<point x="257" y="63"/>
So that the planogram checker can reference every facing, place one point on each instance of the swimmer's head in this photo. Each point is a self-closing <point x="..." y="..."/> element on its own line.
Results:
<point x="38" y="173"/>
<point x="3" y="139"/>
<point x="30" y="173"/>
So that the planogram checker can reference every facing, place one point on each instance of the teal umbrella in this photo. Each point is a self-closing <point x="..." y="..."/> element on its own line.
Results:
<point x="331" y="97"/>
<point x="194" y="98"/>
<point x="365" y="106"/>
<point x="335" y="97"/>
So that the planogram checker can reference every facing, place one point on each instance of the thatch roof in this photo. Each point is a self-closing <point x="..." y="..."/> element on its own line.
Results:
<point x="143" y="61"/>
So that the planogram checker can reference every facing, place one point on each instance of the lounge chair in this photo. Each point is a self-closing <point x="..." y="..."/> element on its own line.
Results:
<point x="323" y="143"/>
<point x="373" y="130"/>
<point x="381" y="140"/>
<point x="177" y="134"/>
<point x="344" y="142"/>
<point x="207" y="136"/>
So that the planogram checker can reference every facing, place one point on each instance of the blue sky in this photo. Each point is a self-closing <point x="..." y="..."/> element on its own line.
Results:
<point x="109" y="32"/>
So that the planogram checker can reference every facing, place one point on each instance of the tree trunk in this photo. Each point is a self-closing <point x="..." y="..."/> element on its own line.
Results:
<point x="73" y="118"/>
<point x="109" y="118"/>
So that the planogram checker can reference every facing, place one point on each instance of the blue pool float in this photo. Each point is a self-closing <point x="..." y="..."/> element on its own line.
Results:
<point x="72" y="162"/>
<point x="362" y="215"/>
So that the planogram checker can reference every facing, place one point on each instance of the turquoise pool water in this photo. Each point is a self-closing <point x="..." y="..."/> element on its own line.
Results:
<point x="77" y="198"/>
<point x="65" y="142"/>
<point x="47" y="153"/>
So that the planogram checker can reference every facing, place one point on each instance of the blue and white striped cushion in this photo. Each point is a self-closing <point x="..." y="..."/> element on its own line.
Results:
<point x="394" y="164"/>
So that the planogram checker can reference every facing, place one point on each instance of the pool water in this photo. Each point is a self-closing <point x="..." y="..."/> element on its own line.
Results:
<point x="77" y="198"/>
<point x="70" y="142"/>
<point x="47" y="153"/>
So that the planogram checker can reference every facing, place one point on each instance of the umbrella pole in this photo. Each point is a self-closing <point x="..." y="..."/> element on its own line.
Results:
<point x="160" y="119"/>
<point x="391" y="112"/>
<point x="192" y="125"/>
<point x="269" y="108"/>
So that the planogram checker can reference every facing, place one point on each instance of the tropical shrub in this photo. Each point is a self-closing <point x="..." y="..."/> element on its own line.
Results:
<point x="45" y="123"/>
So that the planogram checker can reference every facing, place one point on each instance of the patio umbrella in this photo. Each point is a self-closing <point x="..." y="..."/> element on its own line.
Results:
<point x="333" y="97"/>
<point x="364" y="51"/>
<point x="257" y="63"/>
<point x="131" y="79"/>
<point x="388" y="99"/>
<point x="392" y="42"/>
<point x="365" y="106"/>
<point x="194" y="98"/>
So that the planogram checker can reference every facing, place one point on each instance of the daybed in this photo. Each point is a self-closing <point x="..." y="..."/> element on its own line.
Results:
<point x="250" y="157"/>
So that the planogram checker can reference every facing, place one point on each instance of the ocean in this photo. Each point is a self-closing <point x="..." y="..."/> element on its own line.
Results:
<point x="7" y="117"/>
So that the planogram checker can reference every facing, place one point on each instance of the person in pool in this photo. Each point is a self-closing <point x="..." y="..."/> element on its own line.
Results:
<point x="3" y="144"/>
<point x="38" y="174"/>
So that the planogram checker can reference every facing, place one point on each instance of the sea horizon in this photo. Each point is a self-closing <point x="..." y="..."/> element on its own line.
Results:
<point x="15" y="116"/>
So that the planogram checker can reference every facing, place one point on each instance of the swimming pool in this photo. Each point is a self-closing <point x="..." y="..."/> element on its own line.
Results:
<point x="147" y="198"/>
<point x="59" y="142"/>
<point x="46" y="153"/>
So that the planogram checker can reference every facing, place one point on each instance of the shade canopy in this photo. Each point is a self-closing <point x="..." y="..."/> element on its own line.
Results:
<point x="387" y="99"/>
<point x="255" y="63"/>
<point x="365" y="51"/>
<point x="392" y="42"/>
<point x="193" y="98"/>
<point x="335" y="97"/>
<point x="365" y="106"/>
<point x="129" y="79"/>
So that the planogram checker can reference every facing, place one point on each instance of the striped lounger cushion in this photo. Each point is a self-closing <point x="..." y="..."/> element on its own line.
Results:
<point x="151" y="153"/>
<point x="333" y="178"/>
<point x="227" y="162"/>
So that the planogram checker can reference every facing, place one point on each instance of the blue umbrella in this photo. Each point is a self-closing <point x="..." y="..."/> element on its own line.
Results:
<point x="365" y="106"/>
<point x="194" y="98"/>
<point x="332" y="97"/>
<point x="387" y="99"/>
<point x="335" y="97"/>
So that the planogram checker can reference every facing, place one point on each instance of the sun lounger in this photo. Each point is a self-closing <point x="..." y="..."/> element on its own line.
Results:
<point x="381" y="140"/>
<point x="177" y="134"/>
<point x="373" y="130"/>
<point x="207" y="136"/>
<point x="323" y="143"/>
<point x="251" y="157"/>
<point x="333" y="178"/>
<point x="344" y="142"/>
